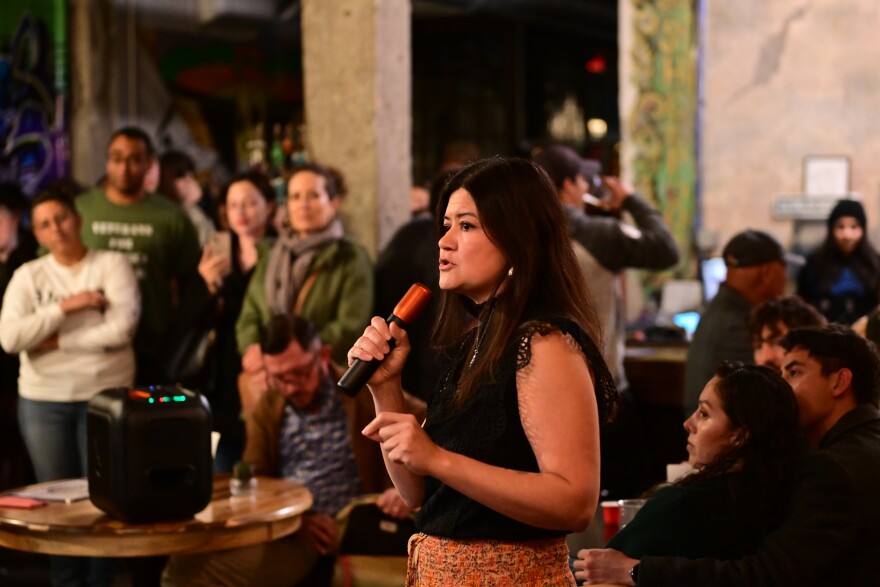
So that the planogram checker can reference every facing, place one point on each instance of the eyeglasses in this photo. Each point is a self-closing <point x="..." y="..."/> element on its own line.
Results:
<point x="295" y="375"/>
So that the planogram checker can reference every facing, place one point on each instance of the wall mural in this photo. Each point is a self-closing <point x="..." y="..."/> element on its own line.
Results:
<point x="663" y="121"/>
<point x="33" y="63"/>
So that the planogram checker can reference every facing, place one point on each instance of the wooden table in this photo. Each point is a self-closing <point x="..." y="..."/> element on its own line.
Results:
<point x="80" y="529"/>
<point x="656" y="372"/>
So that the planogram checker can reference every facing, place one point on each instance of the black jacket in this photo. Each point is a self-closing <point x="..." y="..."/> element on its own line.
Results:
<point x="617" y="246"/>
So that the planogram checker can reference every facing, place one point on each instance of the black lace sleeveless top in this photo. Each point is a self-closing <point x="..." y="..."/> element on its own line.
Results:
<point x="488" y="429"/>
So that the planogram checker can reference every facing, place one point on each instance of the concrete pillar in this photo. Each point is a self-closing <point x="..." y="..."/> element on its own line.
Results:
<point x="116" y="82"/>
<point x="658" y="111"/>
<point x="358" y="107"/>
<point x="92" y="26"/>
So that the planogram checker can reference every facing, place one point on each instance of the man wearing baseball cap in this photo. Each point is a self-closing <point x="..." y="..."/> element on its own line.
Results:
<point x="605" y="246"/>
<point x="608" y="244"/>
<point x="755" y="274"/>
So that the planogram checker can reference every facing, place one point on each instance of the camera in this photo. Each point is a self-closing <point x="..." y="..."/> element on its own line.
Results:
<point x="597" y="187"/>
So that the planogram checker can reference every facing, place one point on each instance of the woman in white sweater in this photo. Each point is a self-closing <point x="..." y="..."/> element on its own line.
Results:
<point x="71" y="316"/>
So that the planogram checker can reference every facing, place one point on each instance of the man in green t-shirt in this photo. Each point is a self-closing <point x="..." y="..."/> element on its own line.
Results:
<point x="154" y="233"/>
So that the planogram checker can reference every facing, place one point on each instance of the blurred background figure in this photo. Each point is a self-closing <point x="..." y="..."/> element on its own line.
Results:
<point x="842" y="278"/>
<point x="248" y="205"/>
<point x="177" y="181"/>
<point x="17" y="246"/>
<point x="769" y="322"/>
<point x="420" y="201"/>
<point x="610" y="244"/>
<point x="605" y="246"/>
<point x="153" y="177"/>
<point x="313" y="270"/>
<point x="156" y="237"/>
<point x="412" y="256"/>
<point x="755" y="264"/>
<point x="71" y="315"/>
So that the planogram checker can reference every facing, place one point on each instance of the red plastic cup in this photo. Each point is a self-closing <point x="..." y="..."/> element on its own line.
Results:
<point x="611" y="513"/>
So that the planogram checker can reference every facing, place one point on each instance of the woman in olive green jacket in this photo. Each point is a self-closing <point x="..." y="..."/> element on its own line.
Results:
<point x="313" y="270"/>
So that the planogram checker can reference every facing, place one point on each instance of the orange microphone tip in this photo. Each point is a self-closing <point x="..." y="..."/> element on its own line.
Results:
<point x="413" y="303"/>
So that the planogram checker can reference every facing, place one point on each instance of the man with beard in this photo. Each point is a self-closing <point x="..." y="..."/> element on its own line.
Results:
<point x="156" y="236"/>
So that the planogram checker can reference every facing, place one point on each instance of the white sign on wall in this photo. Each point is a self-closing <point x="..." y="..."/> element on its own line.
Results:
<point x="826" y="176"/>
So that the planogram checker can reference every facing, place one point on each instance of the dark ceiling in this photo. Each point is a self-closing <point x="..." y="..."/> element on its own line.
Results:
<point x="597" y="18"/>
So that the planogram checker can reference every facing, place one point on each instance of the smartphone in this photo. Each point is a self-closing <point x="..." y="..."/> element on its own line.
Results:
<point x="597" y="187"/>
<point x="220" y="244"/>
<point x="20" y="503"/>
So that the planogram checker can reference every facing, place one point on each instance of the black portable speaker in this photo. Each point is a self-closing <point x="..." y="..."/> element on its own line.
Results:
<point x="149" y="453"/>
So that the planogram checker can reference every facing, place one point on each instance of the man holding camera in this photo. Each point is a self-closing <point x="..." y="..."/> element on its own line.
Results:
<point x="611" y="245"/>
<point x="605" y="246"/>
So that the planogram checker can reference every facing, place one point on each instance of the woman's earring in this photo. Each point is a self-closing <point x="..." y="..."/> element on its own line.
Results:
<point x="510" y="272"/>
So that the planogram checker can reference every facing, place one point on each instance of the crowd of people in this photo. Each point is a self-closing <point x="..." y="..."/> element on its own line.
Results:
<point x="493" y="421"/>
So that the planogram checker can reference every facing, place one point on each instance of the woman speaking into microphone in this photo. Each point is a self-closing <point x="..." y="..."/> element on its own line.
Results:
<point x="507" y="461"/>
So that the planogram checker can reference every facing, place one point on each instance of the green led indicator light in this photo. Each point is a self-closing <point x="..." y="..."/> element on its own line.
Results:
<point x="180" y="398"/>
<point x="152" y="400"/>
<point x="165" y="399"/>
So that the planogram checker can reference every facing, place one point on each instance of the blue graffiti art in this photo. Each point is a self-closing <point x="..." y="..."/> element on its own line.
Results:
<point x="32" y="123"/>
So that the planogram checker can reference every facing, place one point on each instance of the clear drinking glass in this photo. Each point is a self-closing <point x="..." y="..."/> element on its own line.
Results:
<point x="243" y="481"/>
<point x="628" y="509"/>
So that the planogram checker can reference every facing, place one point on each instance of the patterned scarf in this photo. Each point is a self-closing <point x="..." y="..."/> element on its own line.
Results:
<point x="289" y="263"/>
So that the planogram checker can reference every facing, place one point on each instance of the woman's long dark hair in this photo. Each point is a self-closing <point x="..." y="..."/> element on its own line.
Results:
<point x="762" y="407"/>
<point x="520" y="213"/>
<point x="172" y="166"/>
<point x="864" y="260"/>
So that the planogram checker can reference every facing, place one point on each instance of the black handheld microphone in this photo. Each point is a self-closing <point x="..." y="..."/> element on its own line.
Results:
<point x="405" y="312"/>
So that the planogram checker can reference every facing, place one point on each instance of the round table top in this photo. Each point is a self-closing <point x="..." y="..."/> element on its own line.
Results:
<point x="81" y="529"/>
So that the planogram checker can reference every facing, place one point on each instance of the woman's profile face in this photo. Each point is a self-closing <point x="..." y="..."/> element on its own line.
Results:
<point x="709" y="430"/>
<point x="847" y="233"/>
<point x="309" y="206"/>
<point x="470" y="263"/>
<point x="247" y="211"/>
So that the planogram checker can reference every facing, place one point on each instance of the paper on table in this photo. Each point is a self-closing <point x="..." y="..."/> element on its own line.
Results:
<point x="67" y="490"/>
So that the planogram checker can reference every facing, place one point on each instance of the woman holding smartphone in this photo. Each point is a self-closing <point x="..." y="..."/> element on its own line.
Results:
<point x="313" y="270"/>
<point x="226" y="267"/>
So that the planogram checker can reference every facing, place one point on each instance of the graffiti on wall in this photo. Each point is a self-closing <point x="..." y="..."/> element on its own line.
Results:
<point x="662" y="123"/>
<point x="33" y="133"/>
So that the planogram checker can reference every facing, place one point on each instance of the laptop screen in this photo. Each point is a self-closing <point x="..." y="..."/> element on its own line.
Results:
<point x="712" y="271"/>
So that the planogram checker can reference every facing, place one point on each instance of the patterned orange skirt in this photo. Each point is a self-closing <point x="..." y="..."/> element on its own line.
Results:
<point x="442" y="562"/>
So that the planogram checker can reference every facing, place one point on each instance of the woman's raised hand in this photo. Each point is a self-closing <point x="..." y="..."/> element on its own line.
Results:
<point x="374" y="345"/>
<point x="213" y="268"/>
<point x="403" y="441"/>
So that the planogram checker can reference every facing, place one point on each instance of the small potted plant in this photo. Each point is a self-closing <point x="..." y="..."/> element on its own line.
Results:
<point x="243" y="481"/>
